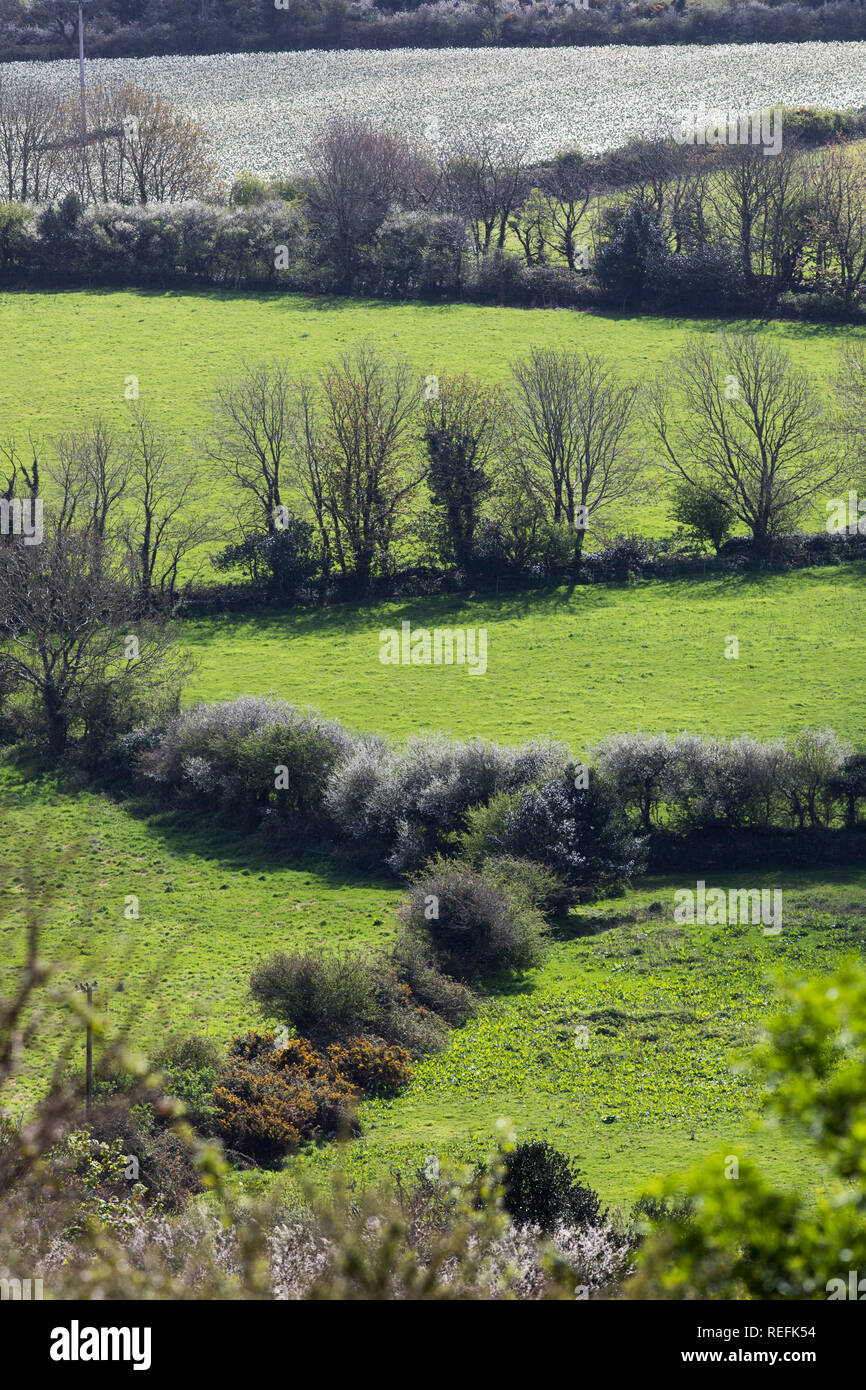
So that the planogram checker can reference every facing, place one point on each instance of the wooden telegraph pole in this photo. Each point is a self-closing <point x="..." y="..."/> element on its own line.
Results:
<point x="87" y="987"/>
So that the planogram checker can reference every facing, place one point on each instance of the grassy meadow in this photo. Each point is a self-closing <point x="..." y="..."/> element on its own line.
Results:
<point x="577" y="664"/>
<point x="66" y="357"/>
<point x="669" y="1012"/>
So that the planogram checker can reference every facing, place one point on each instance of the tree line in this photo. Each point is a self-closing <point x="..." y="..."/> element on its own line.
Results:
<point x="318" y="484"/>
<point x="34" y="29"/>
<point x="682" y="228"/>
<point x="351" y="470"/>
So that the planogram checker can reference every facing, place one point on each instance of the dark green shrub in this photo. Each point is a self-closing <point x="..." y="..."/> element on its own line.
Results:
<point x="541" y="1188"/>
<point x="703" y="513"/>
<point x="304" y="756"/>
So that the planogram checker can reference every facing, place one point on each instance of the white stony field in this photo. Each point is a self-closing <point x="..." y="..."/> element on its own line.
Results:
<point x="261" y="108"/>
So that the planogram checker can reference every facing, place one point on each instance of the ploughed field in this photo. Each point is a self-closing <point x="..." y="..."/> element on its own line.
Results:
<point x="261" y="109"/>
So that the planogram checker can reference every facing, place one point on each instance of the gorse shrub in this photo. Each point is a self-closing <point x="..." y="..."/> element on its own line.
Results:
<point x="263" y="1113"/>
<point x="277" y="1093"/>
<point x="471" y="925"/>
<point x="374" y="1068"/>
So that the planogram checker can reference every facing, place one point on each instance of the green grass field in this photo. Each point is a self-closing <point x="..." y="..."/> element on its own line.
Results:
<point x="66" y="357"/>
<point x="668" y="1012"/>
<point x="576" y="664"/>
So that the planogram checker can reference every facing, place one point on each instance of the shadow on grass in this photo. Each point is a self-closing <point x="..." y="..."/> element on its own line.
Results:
<point x="247" y="849"/>
<point x="454" y="610"/>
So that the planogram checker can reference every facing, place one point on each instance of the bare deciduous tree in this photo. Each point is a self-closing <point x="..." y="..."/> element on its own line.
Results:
<point x="90" y="476"/>
<point x="567" y="191"/>
<point x="31" y="122"/>
<point x="255" y="423"/>
<point x="67" y="614"/>
<point x="746" y="423"/>
<point x="168" y="520"/>
<point x="574" y="434"/>
<point x="839" y="218"/>
<point x="370" y="460"/>
<point x="357" y="174"/>
<point x="850" y="390"/>
<point x="165" y="150"/>
<point x="484" y="180"/>
<point x="760" y="204"/>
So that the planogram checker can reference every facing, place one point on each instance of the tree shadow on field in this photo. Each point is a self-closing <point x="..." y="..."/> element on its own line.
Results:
<point x="187" y="834"/>
<point x="441" y="610"/>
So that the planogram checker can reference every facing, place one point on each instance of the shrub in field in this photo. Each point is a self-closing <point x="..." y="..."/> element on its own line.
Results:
<point x="704" y="514"/>
<point x="632" y="255"/>
<point x="249" y="753"/>
<point x="285" y="767"/>
<point x="625" y="559"/>
<point x="451" y="1000"/>
<point x="848" y="786"/>
<point x="579" y="832"/>
<point x="262" y="1112"/>
<point x="816" y="758"/>
<point x="278" y="564"/>
<point x="190" y="1068"/>
<point x="541" y="1188"/>
<point x="332" y="998"/>
<point x="527" y="881"/>
<point x="711" y="781"/>
<point x="406" y="800"/>
<point x="167" y="1174"/>
<point x="321" y="996"/>
<point x="742" y="782"/>
<point x="485" y="826"/>
<point x="415" y="254"/>
<point x="374" y="1068"/>
<point x="705" y="279"/>
<point x="470" y="924"/>
<point x="274" y="1093"/>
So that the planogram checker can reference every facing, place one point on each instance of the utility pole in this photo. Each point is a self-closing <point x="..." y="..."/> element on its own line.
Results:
<point x="87" y="987"/>
<point x="81" y="4"/>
